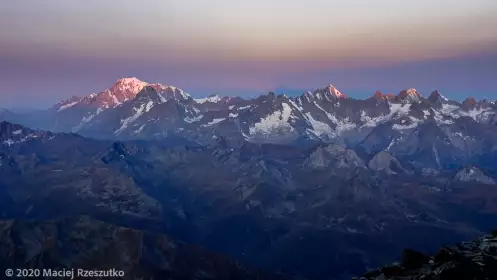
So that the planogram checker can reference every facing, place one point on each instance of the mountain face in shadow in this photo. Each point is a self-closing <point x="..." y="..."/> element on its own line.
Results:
<point x="322" y="211"/>
<point x="84" y="243"/>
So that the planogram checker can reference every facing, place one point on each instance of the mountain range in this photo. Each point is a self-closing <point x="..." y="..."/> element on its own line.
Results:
<point x="317" y="186"/>
<point x="132" y="109"/>
<point x="429" y="132"/>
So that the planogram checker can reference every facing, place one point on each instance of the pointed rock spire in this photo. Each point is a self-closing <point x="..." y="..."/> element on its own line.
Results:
<point x="469" y="103"/>
<point x="378" y="95"/>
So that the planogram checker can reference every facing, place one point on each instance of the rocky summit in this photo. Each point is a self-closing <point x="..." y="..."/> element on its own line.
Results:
<point x="475" y="260"/>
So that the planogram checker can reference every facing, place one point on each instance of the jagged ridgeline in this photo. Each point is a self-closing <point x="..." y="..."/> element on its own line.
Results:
<point x="475" y="260"/>
<point x="318" y="185"/>
<point x="133" y="109"/>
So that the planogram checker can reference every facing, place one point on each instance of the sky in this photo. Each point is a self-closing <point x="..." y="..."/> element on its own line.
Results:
<point x="52" y="49"/>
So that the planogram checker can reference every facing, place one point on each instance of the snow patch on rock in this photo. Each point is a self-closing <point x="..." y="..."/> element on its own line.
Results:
<point x="276" y="121"/>
<point x="137" y="113"/>
<point x="211" y="99"/>
<point x="319" y="128"/>
<point x="215" y="121"/>
<point x="193" y="119"/>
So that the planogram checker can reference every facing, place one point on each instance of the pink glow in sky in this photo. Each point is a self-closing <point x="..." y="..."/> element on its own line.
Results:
<point x="75" y="47"/>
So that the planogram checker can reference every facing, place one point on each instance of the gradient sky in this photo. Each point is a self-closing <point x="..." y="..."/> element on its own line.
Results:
<point x="53" y="49"/>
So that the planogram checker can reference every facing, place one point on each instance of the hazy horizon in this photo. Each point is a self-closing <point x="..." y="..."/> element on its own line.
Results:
<point x="52" y="50"/>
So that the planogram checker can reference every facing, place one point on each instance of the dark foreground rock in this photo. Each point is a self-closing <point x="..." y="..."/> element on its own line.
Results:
<point x="476" y="260"/>
<point x="85" y="243"/>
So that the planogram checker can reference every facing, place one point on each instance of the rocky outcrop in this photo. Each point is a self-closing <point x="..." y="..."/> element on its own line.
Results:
<point x="473" y="174"/>
<point x="469" y="103"/>
<point x="385" y="162"/>
<point x="476" y="260"/>
<point x="379" y="96"/>
<point x="337" y="156"/>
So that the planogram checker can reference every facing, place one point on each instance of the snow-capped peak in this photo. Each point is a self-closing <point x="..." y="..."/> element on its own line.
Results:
<point x="122" y="90"/>
<point x="127" y="83"/>
<point x="332" y="91"/>
<point x="130" y="81"/>
<point x="409" y="95"/>
<point x="214" y="98"/>
<point x="329" y="92"/>
<point x="126" y="88"/>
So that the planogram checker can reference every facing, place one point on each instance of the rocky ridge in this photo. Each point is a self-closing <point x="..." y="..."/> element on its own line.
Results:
<point x="473" y="174"/>
<point x="475" y="260"/>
